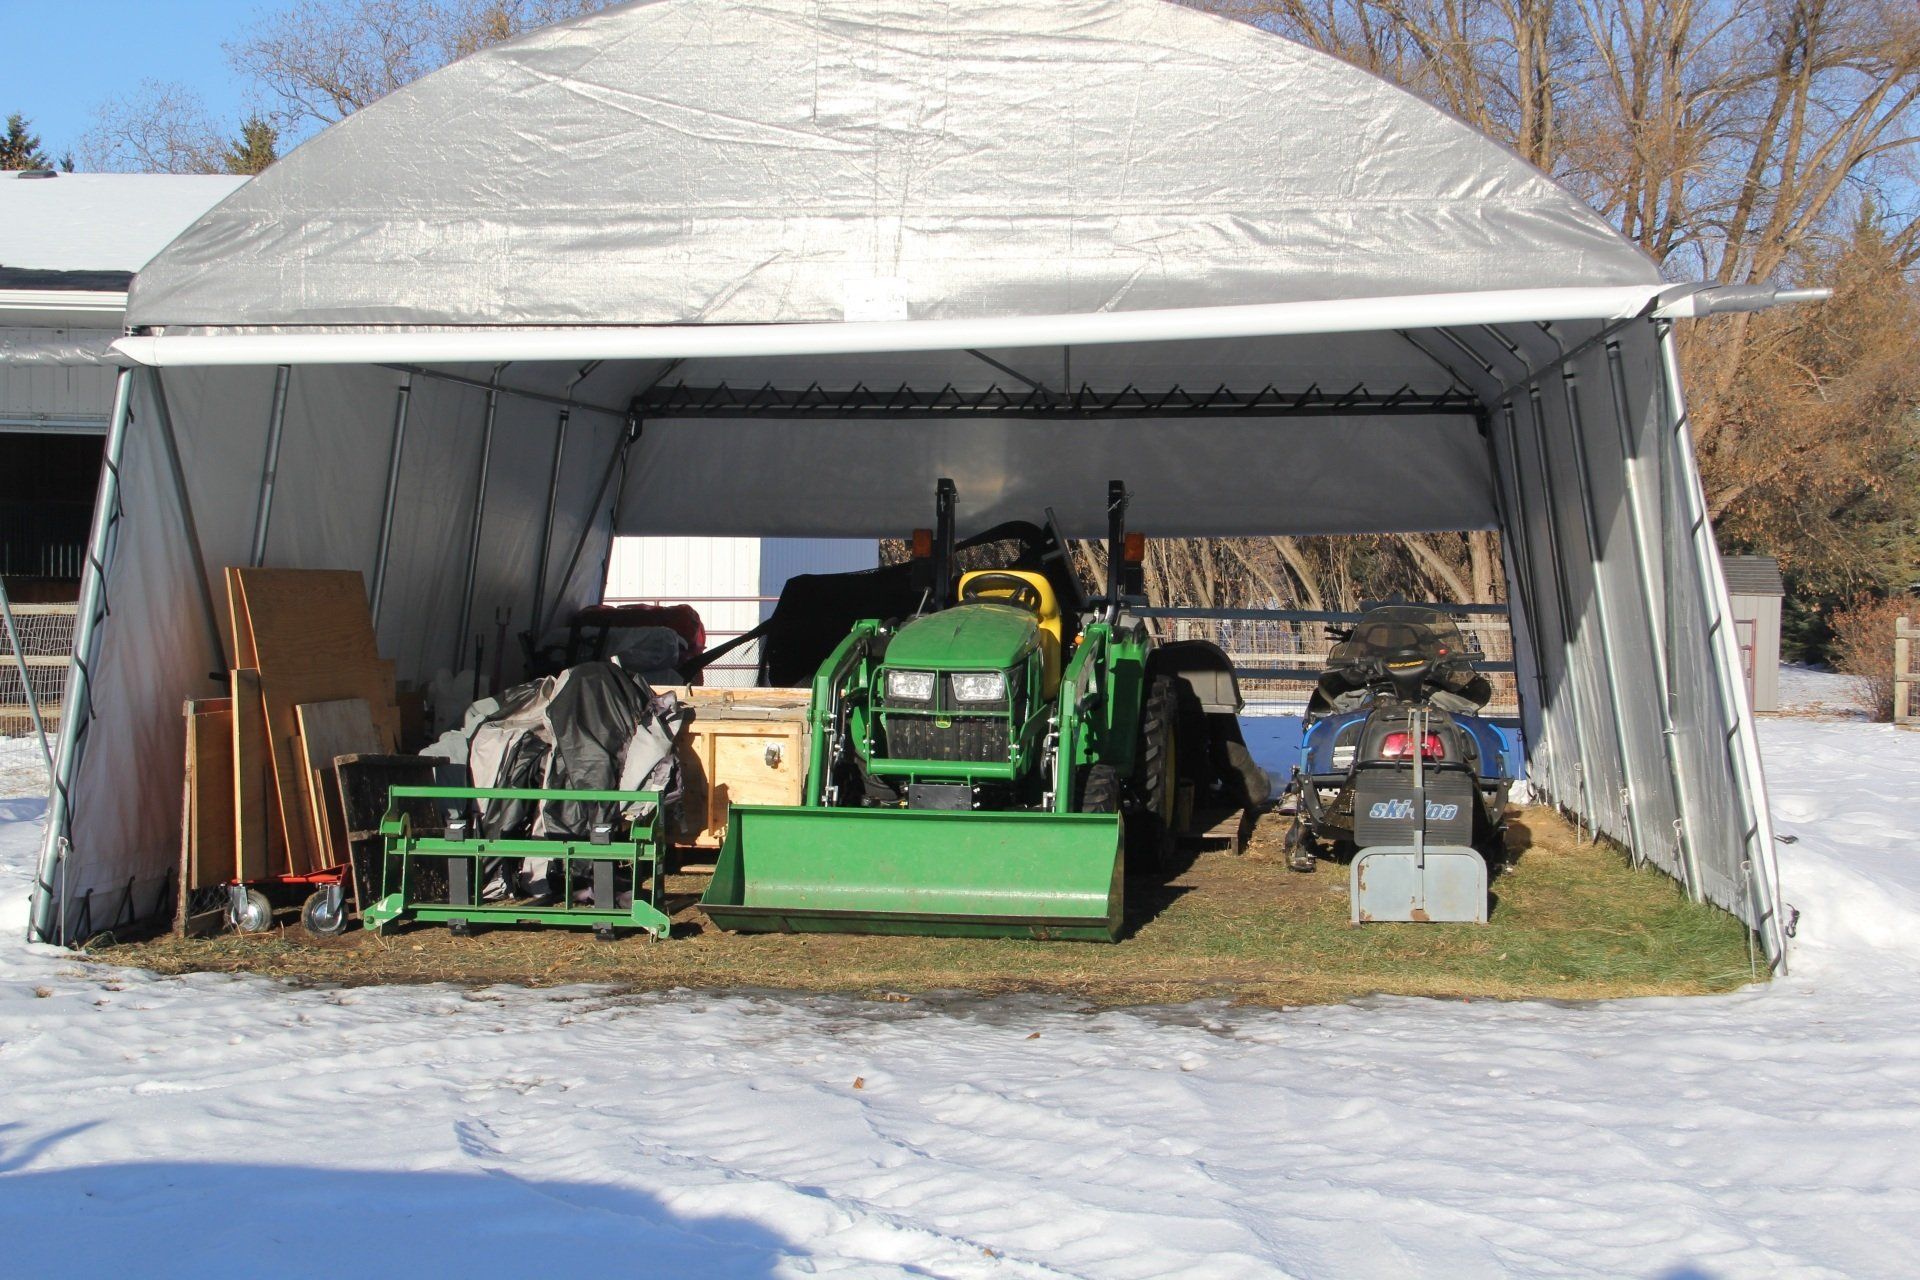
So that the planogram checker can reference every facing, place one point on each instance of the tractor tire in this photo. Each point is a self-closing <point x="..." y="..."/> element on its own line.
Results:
<point x="1098" y="790"/>
<point x="1154" y="829"/>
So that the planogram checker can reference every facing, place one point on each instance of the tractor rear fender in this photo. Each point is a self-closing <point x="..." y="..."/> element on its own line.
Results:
<point x="1205" y="669"/>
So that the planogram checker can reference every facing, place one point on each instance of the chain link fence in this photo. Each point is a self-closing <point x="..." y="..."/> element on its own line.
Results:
<point x="46" y="642"/>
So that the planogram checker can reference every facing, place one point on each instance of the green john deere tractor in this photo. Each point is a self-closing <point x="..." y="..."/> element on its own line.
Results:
<point x="989" y="766"/>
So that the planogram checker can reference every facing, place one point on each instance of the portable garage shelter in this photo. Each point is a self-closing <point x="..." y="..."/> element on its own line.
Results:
<point x="774" y="266"/>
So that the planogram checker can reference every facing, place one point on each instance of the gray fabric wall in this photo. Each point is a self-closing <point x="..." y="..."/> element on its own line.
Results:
<point x="1633" y="721"/>
<point x="154" y="650"/>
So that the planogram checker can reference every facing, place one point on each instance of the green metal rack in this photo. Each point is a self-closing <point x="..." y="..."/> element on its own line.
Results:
<point x="642" y="854"/>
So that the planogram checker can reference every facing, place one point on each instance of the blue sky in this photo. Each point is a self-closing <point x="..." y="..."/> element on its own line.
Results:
<point x="64" y="57"/>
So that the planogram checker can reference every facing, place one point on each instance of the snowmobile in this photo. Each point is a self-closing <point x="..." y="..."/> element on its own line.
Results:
<point x="1393" y="752"/>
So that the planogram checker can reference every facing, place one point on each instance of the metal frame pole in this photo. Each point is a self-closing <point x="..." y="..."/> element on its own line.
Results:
<point x="628" y="435"/>
<point x="47" y="920"/>
<point x="270" y="469"/>
<point x="479" y="520"/>
<point x="1650" y="605"/>
<point x="1569" y="381"/>
<point x="163" y="417"/>
<point x="26" y="680"/>
<point x="1557" y="558"/>
<point x="1739" y="740"/>
<point x="1520" y="546"/>
<point x="393" y="495"/>
<point x="536" y="629"/>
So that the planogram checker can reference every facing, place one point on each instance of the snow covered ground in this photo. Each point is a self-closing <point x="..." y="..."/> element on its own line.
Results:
<point x="227" y="1126"/>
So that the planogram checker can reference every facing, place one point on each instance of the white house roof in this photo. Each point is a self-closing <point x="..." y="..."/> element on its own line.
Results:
<point x="99" y="222"/>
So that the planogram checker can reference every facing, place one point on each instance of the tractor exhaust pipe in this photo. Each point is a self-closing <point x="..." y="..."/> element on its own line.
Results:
<point x="1116" y="546"/>
<point x="944" y="499"/>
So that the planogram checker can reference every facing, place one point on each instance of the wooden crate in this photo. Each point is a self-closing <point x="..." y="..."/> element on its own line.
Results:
<point x="744" y="746"/>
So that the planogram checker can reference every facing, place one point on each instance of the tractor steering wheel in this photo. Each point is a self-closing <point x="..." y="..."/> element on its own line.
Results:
<point x="1002" y="588"/>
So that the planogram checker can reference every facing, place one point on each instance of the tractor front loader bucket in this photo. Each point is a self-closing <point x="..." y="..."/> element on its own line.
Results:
<point x="911" y="871"/>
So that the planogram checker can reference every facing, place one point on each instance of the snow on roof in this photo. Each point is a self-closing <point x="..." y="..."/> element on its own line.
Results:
<point x="100" y="221"/>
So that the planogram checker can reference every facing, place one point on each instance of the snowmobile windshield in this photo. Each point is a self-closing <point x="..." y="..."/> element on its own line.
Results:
<point x="1397" y="631"/>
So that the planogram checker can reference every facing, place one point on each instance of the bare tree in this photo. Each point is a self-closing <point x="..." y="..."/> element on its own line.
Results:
<point x="1733" y="140"/>
<point x="319" y="61"/>
<point x="159" y="127"/>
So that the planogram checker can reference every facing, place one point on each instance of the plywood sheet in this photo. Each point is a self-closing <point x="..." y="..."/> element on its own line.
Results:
<point x="308" y="619"/>
<point x="311" y="639"/>
<point x="210" y="846"/>
<point x="328" y="730"/>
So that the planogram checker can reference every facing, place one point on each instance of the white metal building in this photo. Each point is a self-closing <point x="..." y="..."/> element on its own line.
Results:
<point x="69" y="245"/>
<point x="732" y="582"/>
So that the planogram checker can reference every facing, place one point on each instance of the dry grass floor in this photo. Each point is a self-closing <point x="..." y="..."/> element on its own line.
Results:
<point x="1569" y="921"/>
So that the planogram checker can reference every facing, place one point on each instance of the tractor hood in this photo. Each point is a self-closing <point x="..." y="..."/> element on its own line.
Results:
<point x="968" y="637"/>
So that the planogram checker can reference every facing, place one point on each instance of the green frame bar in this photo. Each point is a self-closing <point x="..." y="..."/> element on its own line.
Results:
<point x="646" y="845"/>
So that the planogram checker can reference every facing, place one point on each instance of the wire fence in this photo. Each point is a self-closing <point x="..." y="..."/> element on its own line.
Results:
<point x="46" y="642"/>
<point x="1303" y="645"/>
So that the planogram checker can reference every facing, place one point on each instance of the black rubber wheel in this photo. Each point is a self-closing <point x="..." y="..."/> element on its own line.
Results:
<point x="255" y="917"/>
<point x="1098" y="790"/>
<point x="321" y="917"/>
<point x="1156" y="779"/>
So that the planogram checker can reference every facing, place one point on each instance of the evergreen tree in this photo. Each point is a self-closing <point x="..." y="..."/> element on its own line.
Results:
<point x="257" y="147"/>
<point x="20" y="149"/>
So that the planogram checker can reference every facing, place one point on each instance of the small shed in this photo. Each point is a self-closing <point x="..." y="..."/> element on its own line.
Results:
<point x="1756" y="590"/>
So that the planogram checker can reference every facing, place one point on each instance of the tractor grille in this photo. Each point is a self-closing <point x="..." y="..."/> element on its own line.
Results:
<point x="962" y="739"/>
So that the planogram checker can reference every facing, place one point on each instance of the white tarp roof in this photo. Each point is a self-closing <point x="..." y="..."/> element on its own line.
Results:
<point x="767" y="161"/>
<point x="862" y="194"/>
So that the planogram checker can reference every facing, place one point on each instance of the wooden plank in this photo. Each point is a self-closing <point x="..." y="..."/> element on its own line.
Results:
<point x="240" y="628"/>
<point x="256" y="851"/>
<point x="211" y="860"/>
<point x="182" y="895"/>
<point x="328" y="730"/>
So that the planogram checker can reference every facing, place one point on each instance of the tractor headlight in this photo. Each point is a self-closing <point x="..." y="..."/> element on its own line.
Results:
<point x="980" y="686"/>
<point x="910" y="686"/>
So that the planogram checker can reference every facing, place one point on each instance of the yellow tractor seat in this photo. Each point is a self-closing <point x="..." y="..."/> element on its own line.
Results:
<point x="1026" y="590"/>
